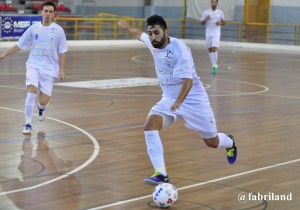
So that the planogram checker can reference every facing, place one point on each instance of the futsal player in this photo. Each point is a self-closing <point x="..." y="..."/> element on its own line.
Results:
<point x="213" y="18"/>
<point x="183" y="96"/>
<point x="45" y="64"/>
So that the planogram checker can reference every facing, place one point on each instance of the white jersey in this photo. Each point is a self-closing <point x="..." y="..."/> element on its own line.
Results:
<point x="172" y="65"/>
<point x="46" y="43"/>
<point x="212" y="29"/>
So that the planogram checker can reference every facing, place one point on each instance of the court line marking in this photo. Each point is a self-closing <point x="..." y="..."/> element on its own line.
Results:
<point x="266" y="89"/>
<point x="85" y="164"/>
<point x="112" y="83"/>
<point x="207" y="86"/>
<point x="199" y="184"/>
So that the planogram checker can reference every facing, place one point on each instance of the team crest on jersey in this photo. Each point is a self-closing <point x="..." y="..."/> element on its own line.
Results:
<point x="169" y="54"/>
<point x="169" y="61"/>
<point x="53" y="33"/>
<point x="36" y="36"/>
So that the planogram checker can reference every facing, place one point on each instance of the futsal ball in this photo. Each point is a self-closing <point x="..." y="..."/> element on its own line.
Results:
<point x="165" y="195"/>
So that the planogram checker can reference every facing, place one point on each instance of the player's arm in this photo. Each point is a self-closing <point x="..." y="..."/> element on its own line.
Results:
<point x="62" y="61"/>
<point x="185" y="89"/>
<point x="205" y="17"/>
<point x="12" y="50"/>
<point x="123" y="24"/>
<point x="221" y="22"/>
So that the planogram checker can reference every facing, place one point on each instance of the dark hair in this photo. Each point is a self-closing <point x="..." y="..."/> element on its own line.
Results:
<point x="157" y="20"/>
<point x="49" y="3"/>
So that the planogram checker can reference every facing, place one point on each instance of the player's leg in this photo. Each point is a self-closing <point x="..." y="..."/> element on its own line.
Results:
<point x="215" y="43"/>
<point x="42" y="105"/>
<point x="210" y="55"/>
<point x="204" y="122"/>
<point x="223" y="141"/>
<point x="154" y="123"/>
<point x="214" y="56"/>
<point x="31" y="84"/>
<point x="208" y="44"/>
<point x="46" y="87"/>
<point x="29" y="107"/>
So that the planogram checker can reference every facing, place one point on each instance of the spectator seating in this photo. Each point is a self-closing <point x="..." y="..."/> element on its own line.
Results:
<point x="34" y="5"/>
<point x="7" y="8"/>
<point x="60" y="9"/>
<point x="29" y="3"/>
<point x="63" y="8"/>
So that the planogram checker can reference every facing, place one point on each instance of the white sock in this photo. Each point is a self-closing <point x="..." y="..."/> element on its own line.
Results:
<point x="225" y="141"/>
<point x="155" y="151"/>
<point x="41" y="106"/>
<point x="29" y="106"/>
<point x="210" y="57"/>
<point x="214" y="57"/>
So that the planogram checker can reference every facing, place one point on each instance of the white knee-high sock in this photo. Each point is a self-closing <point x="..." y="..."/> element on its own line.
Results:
<point x="225" y="141"/>
<point x="210" y="57"/>
<point x="29" y="106"/>
<point x="155" y="151"/>
<point x="214" y="57"/>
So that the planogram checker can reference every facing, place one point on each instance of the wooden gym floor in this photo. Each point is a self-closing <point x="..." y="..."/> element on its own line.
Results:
<point x="90" y="152"/>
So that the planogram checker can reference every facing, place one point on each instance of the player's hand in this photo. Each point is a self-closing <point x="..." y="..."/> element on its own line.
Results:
<point x="175" y="106"/>
<point x="62" y="75"/>
<point x="122" y="24"/>
<point x="2" y="56"/>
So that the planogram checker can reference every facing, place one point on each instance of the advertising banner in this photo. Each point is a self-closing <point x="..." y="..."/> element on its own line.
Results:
<point x="13" y="26"/>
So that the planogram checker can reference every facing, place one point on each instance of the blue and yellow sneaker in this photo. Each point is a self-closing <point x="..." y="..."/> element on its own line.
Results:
<point x="232" y="152"/>
<point x="214" y="69"/>
<point x="156" y="179"/>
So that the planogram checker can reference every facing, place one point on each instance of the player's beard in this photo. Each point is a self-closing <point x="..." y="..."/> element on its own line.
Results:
<point x="157" y="44"/>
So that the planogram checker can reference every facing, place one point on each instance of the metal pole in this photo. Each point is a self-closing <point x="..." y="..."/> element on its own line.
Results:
<point x="182" y="27"/>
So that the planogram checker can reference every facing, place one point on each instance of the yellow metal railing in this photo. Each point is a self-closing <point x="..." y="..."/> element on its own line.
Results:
<point x="104" y="27"/>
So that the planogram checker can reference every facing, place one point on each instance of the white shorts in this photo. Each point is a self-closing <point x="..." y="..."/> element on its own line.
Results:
<point x="212" y="41"/>
<point x="42" y="82"/>
<point x="198" y="117"/>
